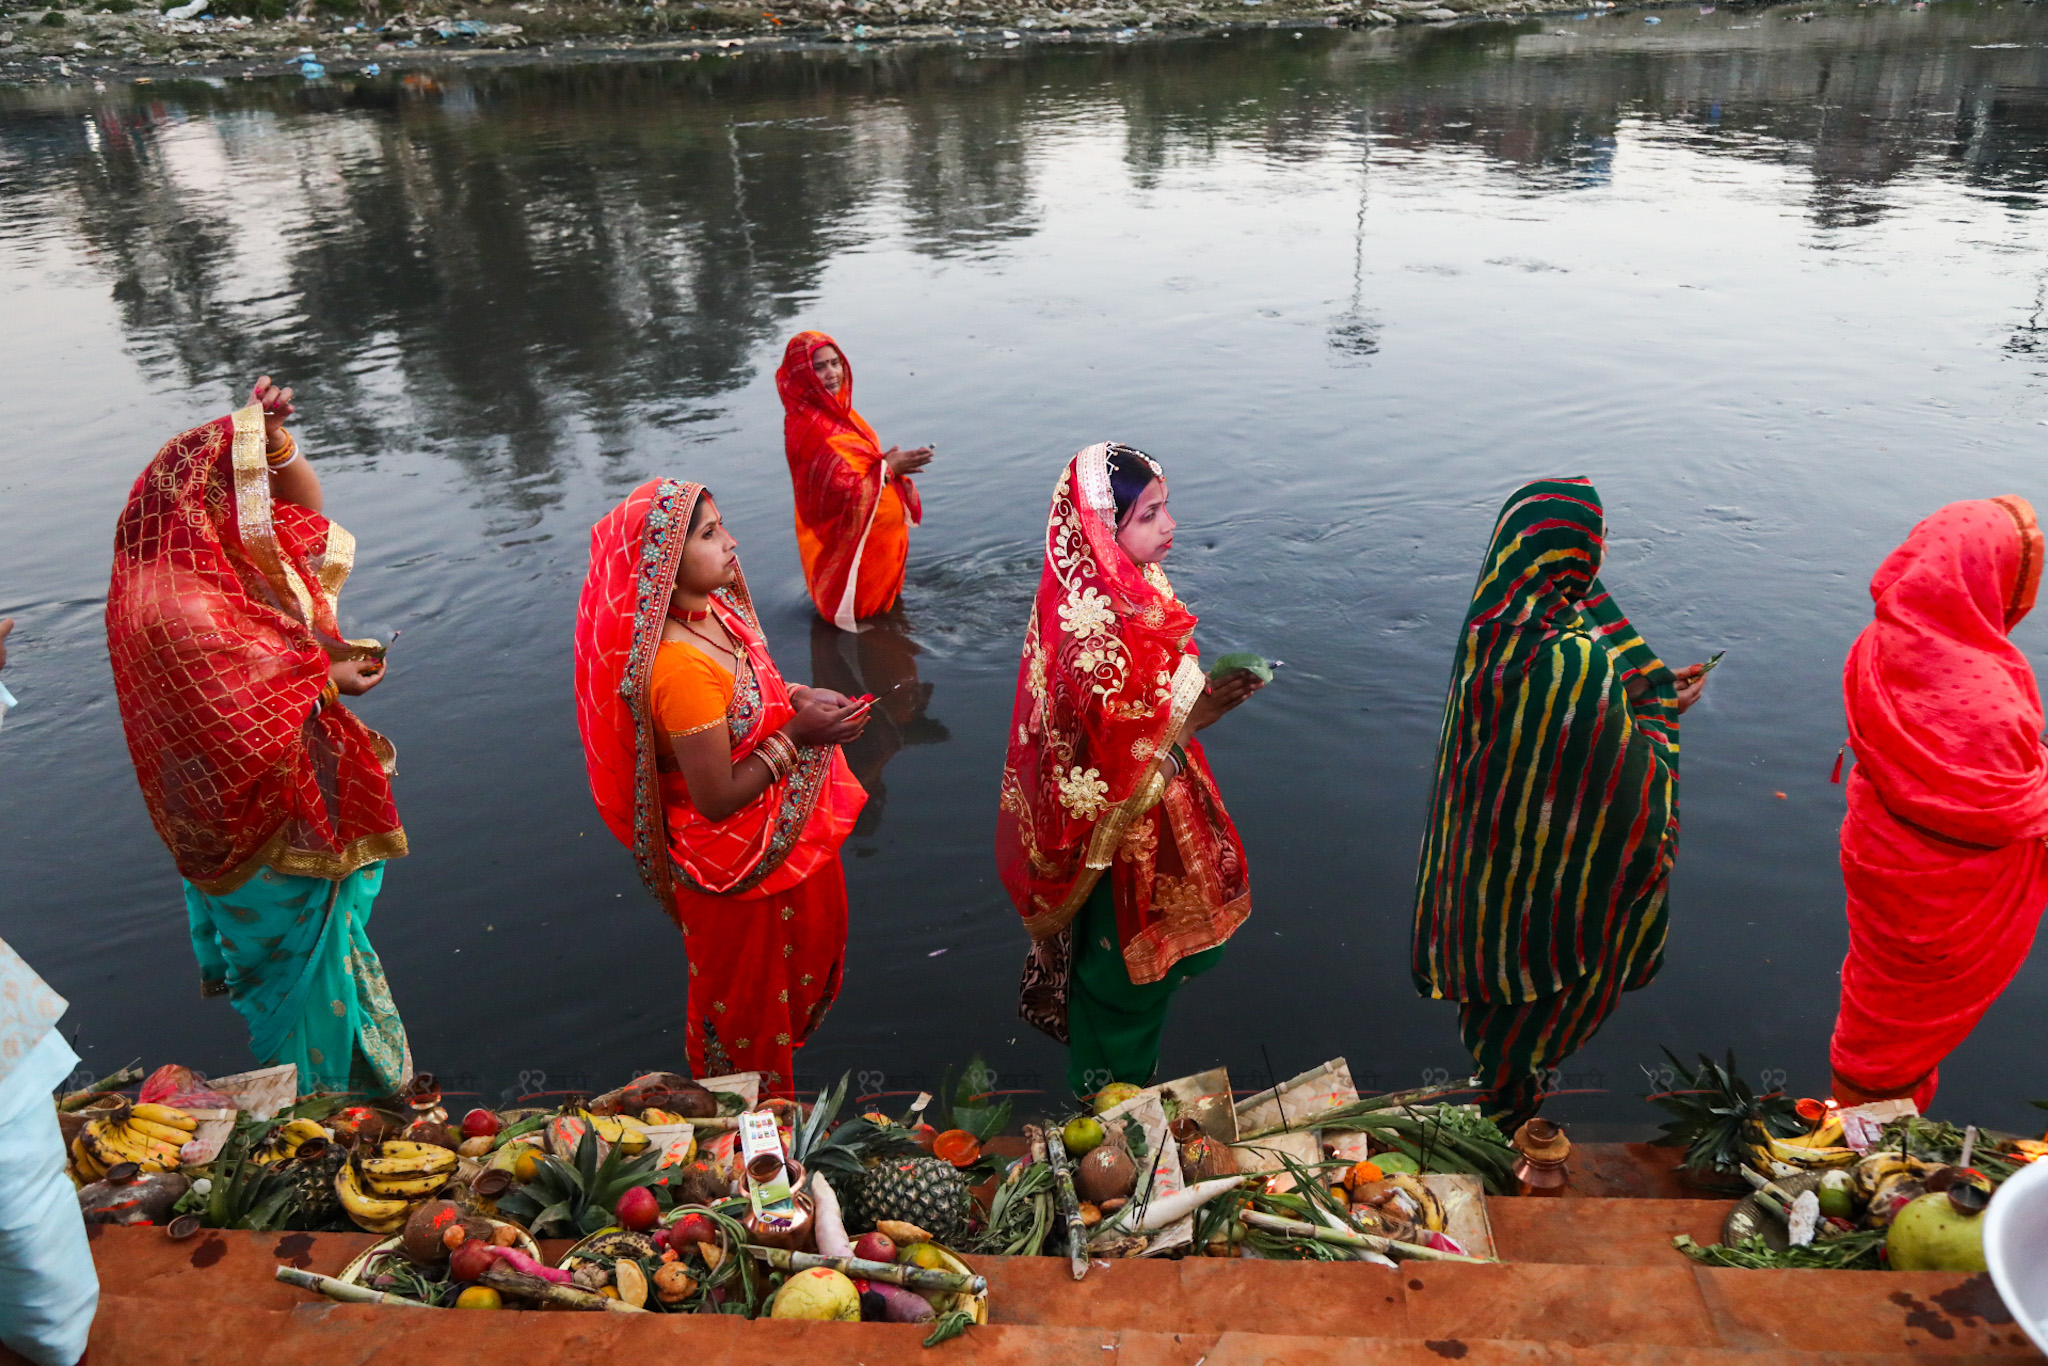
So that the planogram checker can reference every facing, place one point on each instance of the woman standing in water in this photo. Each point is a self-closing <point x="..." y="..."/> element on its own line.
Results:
<point x="275" y="801"/>
<point x="1104" y="775"/>
<point x="727" y="784"/>
<point x="1942" y="857"/>
<point x="1553" y="824"/>
<point x="855" y="503"/>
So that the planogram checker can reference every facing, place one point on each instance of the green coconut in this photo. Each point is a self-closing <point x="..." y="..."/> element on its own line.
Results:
<point x="1931" y="1234"/>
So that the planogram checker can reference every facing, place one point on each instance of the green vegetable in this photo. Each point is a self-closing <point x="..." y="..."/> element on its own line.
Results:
<point x="1850" y="1252"/>
<point x="1256" y="665"/>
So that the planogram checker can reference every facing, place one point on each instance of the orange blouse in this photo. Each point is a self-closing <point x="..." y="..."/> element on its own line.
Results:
<point x="686" y="690"/>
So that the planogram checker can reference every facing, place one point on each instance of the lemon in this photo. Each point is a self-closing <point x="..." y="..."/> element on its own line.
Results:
<point x="1083" y="1135"/>
<point x="526" y="1166"/>
<point x="479" y="1297"/>
<point x="924" y="1255"/>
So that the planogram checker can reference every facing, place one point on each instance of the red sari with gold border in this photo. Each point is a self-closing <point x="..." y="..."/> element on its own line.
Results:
<point x="221" y="629"/>
<point x="1108" y="677"/>
<point x="760" y="896"/>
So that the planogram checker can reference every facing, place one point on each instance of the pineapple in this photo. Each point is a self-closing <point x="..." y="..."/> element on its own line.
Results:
<point x="313" y="1193"/>
<point x="917" y="1190"/>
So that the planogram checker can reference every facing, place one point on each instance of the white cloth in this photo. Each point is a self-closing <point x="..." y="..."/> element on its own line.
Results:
<point x="28" y="1010"/>
<point x="49" y="1289"/>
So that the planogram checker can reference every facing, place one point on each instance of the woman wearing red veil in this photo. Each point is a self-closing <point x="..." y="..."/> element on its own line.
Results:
<point x="275" y="801"/>
<point x="855" y="503"/>
<point x="1104" y="775"/>
<point x="1942" y="855"/>
<point x="726" y="783"/>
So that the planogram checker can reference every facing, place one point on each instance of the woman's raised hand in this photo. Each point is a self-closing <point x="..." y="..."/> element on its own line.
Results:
<point x="908" y="462"/>
<point x="1223" y="696"/>
<point x="277" y="410"/>
<point x="355" y="677"/>
<point x="825" y="717"/>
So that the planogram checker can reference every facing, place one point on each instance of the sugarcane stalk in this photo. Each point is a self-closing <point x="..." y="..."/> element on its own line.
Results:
<point x="341" y="1290"/>
<point x="113" y="1081"/>
<point x="1371" y="1242"/>
<point x="498" y="1276"/>
<point x="891" y="1273"/>
<point x="1070" y="1207"/>
<point x="1393" y="1100"/>
<point x="1769" y="1193"/>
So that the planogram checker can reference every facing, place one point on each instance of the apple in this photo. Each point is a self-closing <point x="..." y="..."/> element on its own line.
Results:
<point x="480" y="1124"/>
<point x="637" y="1209"/>
<point x="690" y="1230"/>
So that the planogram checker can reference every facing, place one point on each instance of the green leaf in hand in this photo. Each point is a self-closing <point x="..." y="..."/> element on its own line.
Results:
<point x="1256" y="665"/>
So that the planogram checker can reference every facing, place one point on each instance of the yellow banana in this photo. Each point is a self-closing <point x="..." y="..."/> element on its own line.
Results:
<point x="298" y="1131"/>
<point x="106" y="1150"/>
<point x="652" y="1116"/>
<point x="367" y="1210"/>
<point x="607" y="1127"/>
<point x="410" y="1187"/>
<point x="164" y="1114"/>
<point x="82" y="1160"/>
<point x="136" y="1138"/>
<point x="162" y="1133"/>
<point x="1875" y="1169"/>
<point x="389" y="1164"/>
<point x="1828" y="1135"/>
<point x="400" y="1148"/>
<point x="1809" y="1158"/>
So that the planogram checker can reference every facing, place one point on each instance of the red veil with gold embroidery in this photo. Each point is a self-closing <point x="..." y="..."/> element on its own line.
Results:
<point x="220" y="628"/>
<point x="1109" y="674"/>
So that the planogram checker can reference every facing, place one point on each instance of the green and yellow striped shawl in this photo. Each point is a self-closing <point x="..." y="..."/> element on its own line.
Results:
<point x="1553" y="821"/>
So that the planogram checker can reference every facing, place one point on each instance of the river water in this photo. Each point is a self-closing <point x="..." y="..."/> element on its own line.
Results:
<point x="1773" y="278"/>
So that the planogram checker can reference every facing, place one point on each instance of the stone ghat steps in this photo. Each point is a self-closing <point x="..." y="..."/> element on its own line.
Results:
<point x="1592" y="1281"/>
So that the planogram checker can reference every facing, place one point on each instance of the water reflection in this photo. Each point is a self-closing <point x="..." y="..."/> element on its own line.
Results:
<point x="879" y="659"/>
<point x="482" y="259"/>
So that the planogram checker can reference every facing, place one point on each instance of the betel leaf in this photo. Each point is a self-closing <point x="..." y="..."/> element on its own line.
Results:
<point x="1256" y="665"/>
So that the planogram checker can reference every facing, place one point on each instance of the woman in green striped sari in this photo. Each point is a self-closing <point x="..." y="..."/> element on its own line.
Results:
<point x="1553" y="822"/>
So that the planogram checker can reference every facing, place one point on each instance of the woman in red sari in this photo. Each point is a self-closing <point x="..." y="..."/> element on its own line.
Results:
<point x="726" y="783"/>
<point x="1942" y="854"/>
<point x="855" y="503"/>
<point x="1104" y="775"/>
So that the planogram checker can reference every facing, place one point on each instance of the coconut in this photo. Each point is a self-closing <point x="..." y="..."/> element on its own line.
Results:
<point x="692" y="1102"/>
<point x="1105" y="1174"/>
<point x="819" y="1294"/>
<point x="425" y="1236"/>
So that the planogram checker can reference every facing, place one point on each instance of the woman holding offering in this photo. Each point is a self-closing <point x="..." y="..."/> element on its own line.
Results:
<point x="1104" y="775"/>
<point x="855" y="503"/>
<point x="726" y="783"/>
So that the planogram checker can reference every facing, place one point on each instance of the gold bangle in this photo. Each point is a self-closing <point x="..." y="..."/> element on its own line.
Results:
<point x="283" y="455"/>
<point x="330" y="694"/>
<point x="778" y="754"/>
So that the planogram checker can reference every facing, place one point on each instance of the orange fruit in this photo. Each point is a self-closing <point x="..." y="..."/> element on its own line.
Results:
<point x="958" y="1147"/>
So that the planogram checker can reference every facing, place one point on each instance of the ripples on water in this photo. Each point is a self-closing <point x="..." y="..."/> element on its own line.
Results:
<point x="1776" y="285"/>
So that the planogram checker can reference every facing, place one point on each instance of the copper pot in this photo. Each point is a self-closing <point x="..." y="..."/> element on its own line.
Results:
<point x="798" y="1232"/>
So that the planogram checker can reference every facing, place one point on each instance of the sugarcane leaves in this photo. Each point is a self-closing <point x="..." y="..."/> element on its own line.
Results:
<point x="1441" y="1138"/>
<point x="1712" y="1111"/>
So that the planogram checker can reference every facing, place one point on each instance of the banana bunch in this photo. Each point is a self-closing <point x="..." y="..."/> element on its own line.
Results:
<point x="286" y="1140"/>
<point x="1885" y="1182"/>
<point x="148" y="1135"/>
<point x="1821" y="1150"/>
<point x="378" y="1192"/>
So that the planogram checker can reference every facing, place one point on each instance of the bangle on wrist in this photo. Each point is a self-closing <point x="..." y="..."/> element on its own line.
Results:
<point x="328" y="696"/>
<point x="283" y="455"/>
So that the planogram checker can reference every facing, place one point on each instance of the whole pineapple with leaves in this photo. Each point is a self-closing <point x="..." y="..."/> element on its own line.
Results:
<point x="858" y="1156"/>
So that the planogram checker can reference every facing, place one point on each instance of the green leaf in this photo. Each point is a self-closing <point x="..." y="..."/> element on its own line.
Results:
<point x="949" y="1325"/>
<point x="1256" y="665"/>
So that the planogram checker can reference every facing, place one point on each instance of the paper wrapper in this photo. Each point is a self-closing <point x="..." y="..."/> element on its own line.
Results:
<point x="1204" y="1098"/>
<point x="1263" y="1154"/>
<point x="1297" y="1104"/>
<point x="1863" y="1125"/>
<point x="1147" y="1109"/>
<point x="1465" y="1219"/>
<point x="675" y="1145"/>
<point x="745" y="1085"/>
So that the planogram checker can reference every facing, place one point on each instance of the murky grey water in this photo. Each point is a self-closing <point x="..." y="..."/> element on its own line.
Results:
<point x="1776" y="285"/>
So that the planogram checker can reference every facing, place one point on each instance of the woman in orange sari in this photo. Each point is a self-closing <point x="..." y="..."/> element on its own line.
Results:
<point x="726" y="783"/>
<point x="855" y="503"/>
<point x="1104" y="775"/>
<point x="1942" y="854"/>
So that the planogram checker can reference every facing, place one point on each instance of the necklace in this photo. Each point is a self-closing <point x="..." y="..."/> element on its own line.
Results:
<point x="681" y="617"/>
<point x="684" y="622"/>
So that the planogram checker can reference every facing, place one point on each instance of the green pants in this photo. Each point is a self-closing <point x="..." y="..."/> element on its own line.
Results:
<point x="1113" y="1023"/>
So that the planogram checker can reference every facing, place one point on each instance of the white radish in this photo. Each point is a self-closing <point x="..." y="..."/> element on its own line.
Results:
<point x="827" y="1219"/>
<point x="1168" y="1210"/>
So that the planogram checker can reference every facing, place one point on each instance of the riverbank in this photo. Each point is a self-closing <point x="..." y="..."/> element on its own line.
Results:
<point x="122" y="41"/>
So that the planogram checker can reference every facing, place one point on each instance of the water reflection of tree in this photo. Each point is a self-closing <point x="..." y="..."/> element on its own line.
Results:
<point x="488" y="264"/>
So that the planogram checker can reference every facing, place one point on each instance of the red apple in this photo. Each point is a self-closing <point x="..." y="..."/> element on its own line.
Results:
<point x="690" y="1230"/>
<point x="637" y="1209"/>
<point x="480" y="1124"/>
<point x="875" y="1247"/>
<point x="471" y="1260"/>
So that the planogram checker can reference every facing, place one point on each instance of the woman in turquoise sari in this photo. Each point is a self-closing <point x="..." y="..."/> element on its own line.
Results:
<point x="275" y="801"/>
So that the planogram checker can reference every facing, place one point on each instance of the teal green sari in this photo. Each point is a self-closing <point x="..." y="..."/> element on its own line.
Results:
<point x="293" y="956"/>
